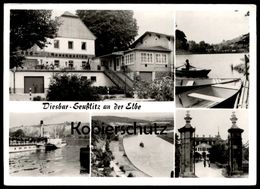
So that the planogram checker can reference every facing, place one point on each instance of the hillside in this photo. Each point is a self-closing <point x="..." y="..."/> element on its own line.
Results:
<point x="61" y="129"/>
<point x="112" y="119"/>
<point x="238" y="44"/>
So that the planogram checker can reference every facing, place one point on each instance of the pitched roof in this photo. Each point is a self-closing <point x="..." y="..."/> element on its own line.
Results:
<point x="149" y="32"/>
<point x="154" y="48"/>
<point x="117" y="53"/>
<point x="72" y="27"/>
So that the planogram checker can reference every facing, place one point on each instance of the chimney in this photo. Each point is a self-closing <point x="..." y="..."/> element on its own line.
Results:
<point x="41" y="124"/>
<point x="203" y="136"/>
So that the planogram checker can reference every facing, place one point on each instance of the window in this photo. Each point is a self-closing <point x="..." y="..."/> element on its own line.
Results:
<point x="56" y="44"/>
<point x="57" y="63"/>
<point x="71" y="64"/>
<point x="164" y="58"/>
<point x="84" y="64"/>
<point x="160" y="58"/>
<point x="129" y="59"/>
<point x="147" y="57"/>
<point x="83" y="46"/>
<point x="84" y="78"/>
<point x="93" y="78"/>
<point x="70" y="44"/>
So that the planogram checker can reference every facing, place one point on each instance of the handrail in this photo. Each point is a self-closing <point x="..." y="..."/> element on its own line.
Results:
<point x="117" y="80"/>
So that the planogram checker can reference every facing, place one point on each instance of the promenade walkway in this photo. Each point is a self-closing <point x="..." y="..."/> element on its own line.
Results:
<point x="201" y="171"/>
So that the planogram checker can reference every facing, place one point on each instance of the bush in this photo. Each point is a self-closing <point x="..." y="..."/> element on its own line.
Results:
<point x="160" y="89"/>
<point x="130" y="175"/>
<point x="65" y="87"/>
<point x="112" y="90"/>
<point x="37" y="98"/>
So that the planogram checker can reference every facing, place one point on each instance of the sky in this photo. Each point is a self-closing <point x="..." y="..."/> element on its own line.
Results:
<point x="148" y="20"/>
<point x="212" y="26"/>
<point x="209" y="122"/>
<point x="26" y="119"/>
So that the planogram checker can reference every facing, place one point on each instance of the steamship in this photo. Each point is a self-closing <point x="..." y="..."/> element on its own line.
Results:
<point x="44" y="142"/>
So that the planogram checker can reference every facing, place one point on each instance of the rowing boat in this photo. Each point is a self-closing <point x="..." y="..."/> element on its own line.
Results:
<point x="191" y="72"/>
<point x="212" y="96"/>
<point x="186" y="84"/>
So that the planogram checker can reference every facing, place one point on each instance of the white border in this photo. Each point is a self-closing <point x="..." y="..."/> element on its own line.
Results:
<point x="27" y="106"/>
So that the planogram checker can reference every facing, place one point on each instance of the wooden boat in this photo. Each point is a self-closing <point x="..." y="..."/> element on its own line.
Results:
<point x="186" y="84"/>
<point x="213" y="96"/>
<point x="192" y="72"/>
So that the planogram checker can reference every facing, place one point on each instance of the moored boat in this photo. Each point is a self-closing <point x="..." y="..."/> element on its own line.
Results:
<point x="191" y="72"/>
<point x="186" y="84"/>
<point x="22" y="148"/>
<point x="213" y="96"/>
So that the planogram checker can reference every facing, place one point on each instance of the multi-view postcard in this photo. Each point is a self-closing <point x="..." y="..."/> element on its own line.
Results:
<point x="173" y="91"/>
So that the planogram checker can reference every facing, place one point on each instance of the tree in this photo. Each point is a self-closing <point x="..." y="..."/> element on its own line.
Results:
<point x="66" y="87"/>
<point x="18" y="133"/>
<point x="181" y="41"/>
<point x="219" y="153"/>
<point x="115" y="29"/>
<point x="29" y="28"/>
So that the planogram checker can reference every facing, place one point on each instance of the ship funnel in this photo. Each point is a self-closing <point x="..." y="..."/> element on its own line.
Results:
<point x="41" y="124"/>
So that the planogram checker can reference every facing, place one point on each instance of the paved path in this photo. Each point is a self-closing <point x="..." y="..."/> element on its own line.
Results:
<point x="201" y="171"/>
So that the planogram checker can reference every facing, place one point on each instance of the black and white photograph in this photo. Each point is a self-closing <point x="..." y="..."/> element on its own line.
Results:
<point x="212" y="146"/>
<point x="132" y="145"/>
<point x="212" y="59"/>
<point x="97" y="93"/>
<point x="91" y="55"/>
<point x="45" y="144"/>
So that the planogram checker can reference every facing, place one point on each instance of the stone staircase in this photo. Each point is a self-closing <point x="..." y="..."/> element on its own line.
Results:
<point x="120" y="79"/>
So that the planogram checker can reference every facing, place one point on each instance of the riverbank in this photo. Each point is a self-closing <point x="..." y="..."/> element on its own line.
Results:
<point x="121" y="160"/>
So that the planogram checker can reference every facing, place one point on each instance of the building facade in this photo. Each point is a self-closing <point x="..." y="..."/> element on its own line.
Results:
<point x="150" y="57"/>
<point x="71" y="51"/>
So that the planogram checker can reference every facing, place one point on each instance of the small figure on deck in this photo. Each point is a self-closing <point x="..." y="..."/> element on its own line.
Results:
<point x="187" y="64"/>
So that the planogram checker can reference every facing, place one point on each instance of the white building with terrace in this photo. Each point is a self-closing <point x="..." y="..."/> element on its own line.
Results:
<point x="71" y="51"/>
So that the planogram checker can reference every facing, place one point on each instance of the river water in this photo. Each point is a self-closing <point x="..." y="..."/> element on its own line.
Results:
<point x="154" y="159"/>
<point x="59" y="162"/>
<point x="220" y="64"/>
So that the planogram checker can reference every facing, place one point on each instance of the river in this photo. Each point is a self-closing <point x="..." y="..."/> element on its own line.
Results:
<point x="220" y="64"/>
<point x="59" y="162"/>
<point x="154" y="159"/>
